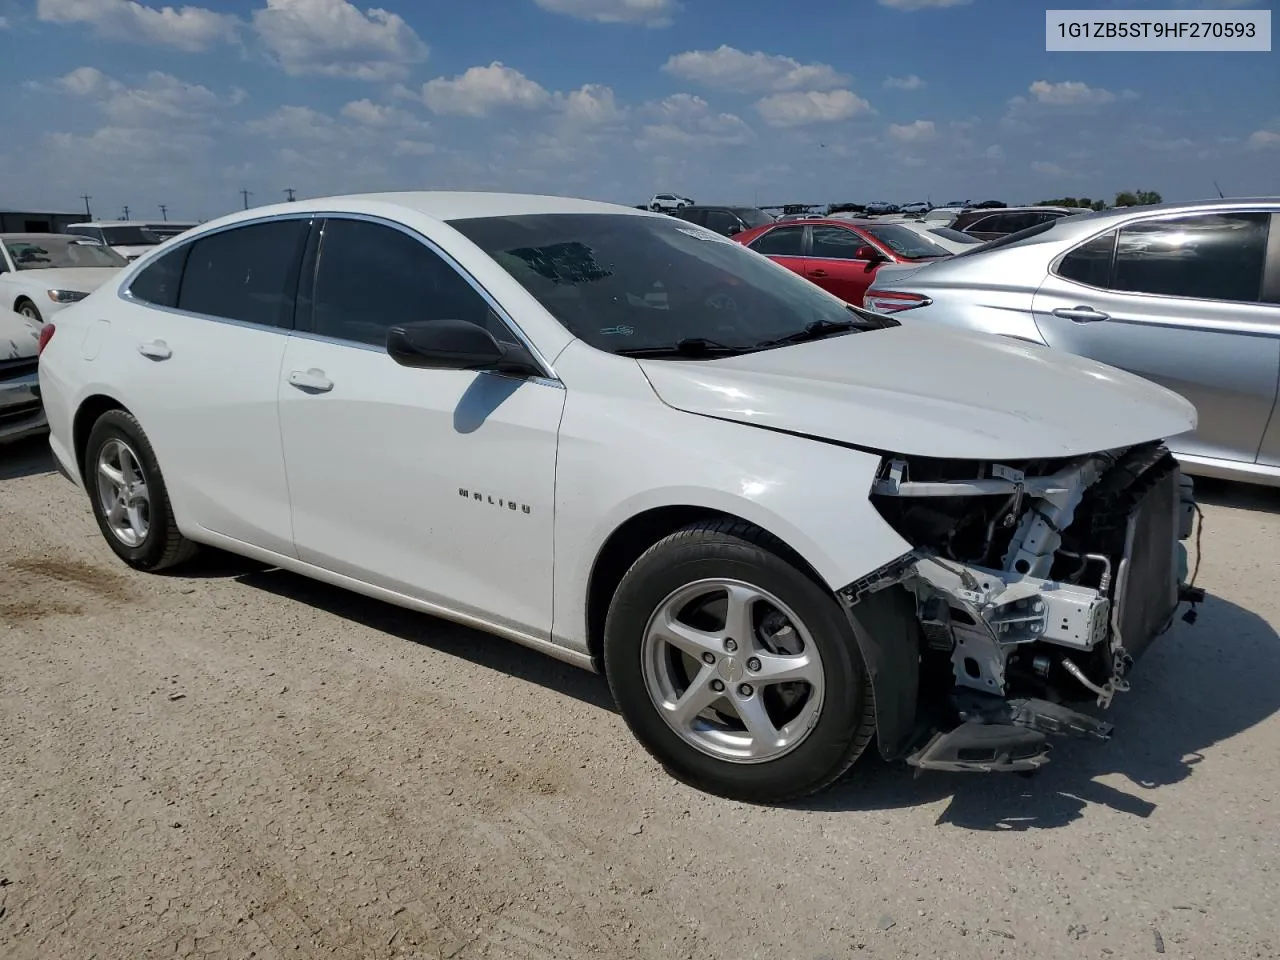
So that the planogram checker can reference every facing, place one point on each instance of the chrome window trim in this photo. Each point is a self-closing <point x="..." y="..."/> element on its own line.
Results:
<point x="123" y="292"/>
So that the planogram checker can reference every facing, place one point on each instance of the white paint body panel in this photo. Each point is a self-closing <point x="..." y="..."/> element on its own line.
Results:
<point x="360" y="486"/>
<point x="35" y="285"/>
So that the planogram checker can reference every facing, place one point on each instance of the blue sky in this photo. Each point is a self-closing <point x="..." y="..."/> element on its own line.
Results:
<point x="722" y="100"/>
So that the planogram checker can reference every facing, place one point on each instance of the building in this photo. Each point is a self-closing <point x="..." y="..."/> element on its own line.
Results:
<point x="30" y="221"/>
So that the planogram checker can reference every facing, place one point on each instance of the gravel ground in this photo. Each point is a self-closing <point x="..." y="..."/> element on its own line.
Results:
<point x="237" y="762"/>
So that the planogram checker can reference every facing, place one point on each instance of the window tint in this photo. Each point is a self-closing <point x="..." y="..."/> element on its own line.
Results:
<point x="1211" y="256"/>
<point x="1090" y="263"/>
<point x="158" y="282"/>
<point x="905" y="242"/>
<point x="371" y="277"/>
<point x="836" y="243"/>
<point x="781" y="242"/>
<point x="246" y="274"/>
<point x="721" y="221"/>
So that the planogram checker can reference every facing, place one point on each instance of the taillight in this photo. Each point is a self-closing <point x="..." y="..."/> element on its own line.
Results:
<point x="892" y="301"/>
<point x="46" y="334"/>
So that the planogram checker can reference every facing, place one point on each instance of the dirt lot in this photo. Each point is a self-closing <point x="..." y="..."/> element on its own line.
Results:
<point x="240" y="763"/>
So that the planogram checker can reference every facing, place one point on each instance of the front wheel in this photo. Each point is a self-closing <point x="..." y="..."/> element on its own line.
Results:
<point x="734" y="668"/>
<point x="129" y="497"/>
<point x="29" y="310"/>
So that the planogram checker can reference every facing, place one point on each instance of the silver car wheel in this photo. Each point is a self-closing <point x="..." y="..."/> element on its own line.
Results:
<point x="29" y="310"/>
<point x="122" y="492"/>
<point x="733" y="671"/>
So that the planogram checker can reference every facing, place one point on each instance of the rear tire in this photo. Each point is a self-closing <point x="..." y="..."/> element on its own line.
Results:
<point x="719" y="614"/>
<point x="129" y="497"/>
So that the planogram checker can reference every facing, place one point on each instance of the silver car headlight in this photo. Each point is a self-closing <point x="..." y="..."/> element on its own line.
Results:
<point x="66" y="296"/>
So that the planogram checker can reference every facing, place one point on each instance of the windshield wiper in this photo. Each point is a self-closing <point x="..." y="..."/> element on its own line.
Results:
<point x="688" y="347"/>
<point x="819" y="329"/>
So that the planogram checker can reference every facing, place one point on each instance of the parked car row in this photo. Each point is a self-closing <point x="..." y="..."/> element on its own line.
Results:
<point x="785" y="527"/>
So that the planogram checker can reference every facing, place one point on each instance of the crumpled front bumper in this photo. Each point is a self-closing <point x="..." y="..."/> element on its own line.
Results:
<point x="21" y="412"/>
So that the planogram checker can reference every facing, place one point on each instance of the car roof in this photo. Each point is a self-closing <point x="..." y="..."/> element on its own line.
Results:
<point x="37" y="236"/>
<point x="132" y="223"/>
<point x="436" y="204"/>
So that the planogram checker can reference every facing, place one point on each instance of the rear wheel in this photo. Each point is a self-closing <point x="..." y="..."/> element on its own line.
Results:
<point x="734" y="668"/>
<point x="129" y="497"/>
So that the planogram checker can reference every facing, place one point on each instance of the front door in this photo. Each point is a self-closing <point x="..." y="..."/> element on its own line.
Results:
<point x="832" y="264"/>
<point x="437" y="484"/>
<point x="1178" y="301"/>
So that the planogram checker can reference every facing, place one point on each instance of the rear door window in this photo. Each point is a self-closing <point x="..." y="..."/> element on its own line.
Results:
<point x="1216" y="256"/>
<point x="780" y="242"/>
<point x="836" y="243"/>
<point x="159" y="281"/>
<point x="247" y="273"/>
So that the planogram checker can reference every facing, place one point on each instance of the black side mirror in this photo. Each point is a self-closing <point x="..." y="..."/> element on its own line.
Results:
<point x="733" y="228"/>
<point x="456" y="345"/>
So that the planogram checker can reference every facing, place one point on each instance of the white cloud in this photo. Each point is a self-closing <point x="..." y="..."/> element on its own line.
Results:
<point x="379" y="116"/>
<point x="83" y="81"/>
<point x="921" y="4"/>
<point x="1264" y="139"/>
<point x="1049" y="169"/>
<point x="995" y="153"/>
<point x="4" y="23"/>
<point x="482" y="89"/>
<point x="909" y="82"/>
<point x="591" y="105"/>
<point x="921" y="131"/>
<point x="649" y="13"/>
<point x="184" y="28"/>
<point x="686" y="120"/>
<point x="1069" y="93"/>
<point x="334" y="38"/>
<point x="727" y="68"/>
<point x="797" y="109"/>
<point x="161" y="102"/>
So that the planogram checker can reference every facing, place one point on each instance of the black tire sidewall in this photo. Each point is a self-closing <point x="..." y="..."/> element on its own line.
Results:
<point x="669" y="567"/>
<point x="116" y="424"/>
<point x="39" y="317"/>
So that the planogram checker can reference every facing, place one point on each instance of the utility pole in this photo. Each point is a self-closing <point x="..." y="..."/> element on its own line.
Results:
<point x="246" y="194"/>
<point x="126" y="212"/>
<point x="88" y="214"/>
<point x="288" y="193"/>
<point x="164" y="211"/>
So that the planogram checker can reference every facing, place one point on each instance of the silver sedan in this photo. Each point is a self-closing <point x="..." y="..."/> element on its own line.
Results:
<point x="1187" y="295"/>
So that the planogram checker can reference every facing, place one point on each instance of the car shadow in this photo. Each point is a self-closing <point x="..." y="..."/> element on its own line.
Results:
<point x="482" y="649"/>
<point x="28" y="457"/>
<point x="1238" y="496"/>
<point x="1197" y="686"/>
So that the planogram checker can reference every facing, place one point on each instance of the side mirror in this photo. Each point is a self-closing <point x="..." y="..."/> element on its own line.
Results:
<point x="868" y="252"/>
<point x="734" y="228"/>
<point x="455" y="345"/>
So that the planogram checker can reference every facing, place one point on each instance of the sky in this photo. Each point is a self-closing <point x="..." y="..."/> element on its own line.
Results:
<point x="725" y="101"/>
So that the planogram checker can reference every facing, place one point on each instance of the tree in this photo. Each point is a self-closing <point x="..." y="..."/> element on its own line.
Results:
<point x="1137" y="198"/>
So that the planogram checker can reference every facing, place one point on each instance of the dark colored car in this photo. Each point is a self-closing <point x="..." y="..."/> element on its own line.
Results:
<point x="728" y="221"/>
<point x="841" y="256"/>
<point x="988" y="224"/>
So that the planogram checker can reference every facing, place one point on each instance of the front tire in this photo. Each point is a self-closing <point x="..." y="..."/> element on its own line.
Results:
<point x="734" y="668"/>
<point x="28" y="309"/>
<point x="129" y="497"/>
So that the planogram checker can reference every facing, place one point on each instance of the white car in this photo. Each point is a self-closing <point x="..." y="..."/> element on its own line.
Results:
<point x="779" y="524"/>
<point x="40" y="273"/>
<point x="945" y="237"/>
<point x="21" y="413"/>
<point x="129" y="238"/>
<point x="668" y="202"/>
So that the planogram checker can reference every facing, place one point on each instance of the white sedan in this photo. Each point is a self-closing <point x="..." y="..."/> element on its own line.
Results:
<point x="780" y="525"/>
<point x="40" y="273"/>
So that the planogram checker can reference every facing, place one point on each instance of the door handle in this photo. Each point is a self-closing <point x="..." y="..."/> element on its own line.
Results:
<point x="155" y="350"/>
<point x="310" y="381"/>
<point x="817" y="273"/>
<point x="1080" y="314"/>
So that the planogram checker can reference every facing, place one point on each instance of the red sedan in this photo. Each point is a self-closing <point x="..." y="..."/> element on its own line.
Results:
<point x="841" y="256"/>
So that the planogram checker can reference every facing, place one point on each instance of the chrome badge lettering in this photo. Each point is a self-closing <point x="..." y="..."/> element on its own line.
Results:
<point x="479" y="497"/>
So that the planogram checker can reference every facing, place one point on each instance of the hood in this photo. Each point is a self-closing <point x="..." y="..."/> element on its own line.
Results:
<point x="134" y="252"/>
<point x="86" y="279"/>
<point x="930" y="391"/>
<point x="18" y="336"/>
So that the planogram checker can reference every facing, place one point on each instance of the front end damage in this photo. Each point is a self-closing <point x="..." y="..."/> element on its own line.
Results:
<point x="1031" y="586"/>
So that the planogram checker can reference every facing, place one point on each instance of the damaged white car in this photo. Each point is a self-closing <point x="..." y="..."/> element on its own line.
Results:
<point x="783" y="527"/>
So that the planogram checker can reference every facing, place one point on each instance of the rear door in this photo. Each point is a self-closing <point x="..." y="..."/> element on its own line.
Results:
<point x="1178" y="300"/>
<point x="831" y="262"/>
<point x="784" y="245"/>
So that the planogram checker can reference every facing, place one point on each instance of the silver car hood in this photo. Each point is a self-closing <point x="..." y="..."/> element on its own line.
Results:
<point x="930" y="391"/>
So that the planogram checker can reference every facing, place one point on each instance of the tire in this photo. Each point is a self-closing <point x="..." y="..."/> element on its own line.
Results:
<point x="835" y="721"/>
<point x="28" y="309"/>
<point x="143" y="533"/>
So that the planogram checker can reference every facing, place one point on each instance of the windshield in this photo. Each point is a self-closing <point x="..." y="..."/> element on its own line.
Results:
<point x="905" y="242"/>
<point x="955" y="235"/>
<point x="130" y="236"/>
<point x="51" y="253"/>
<point x="623" y="283"/>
